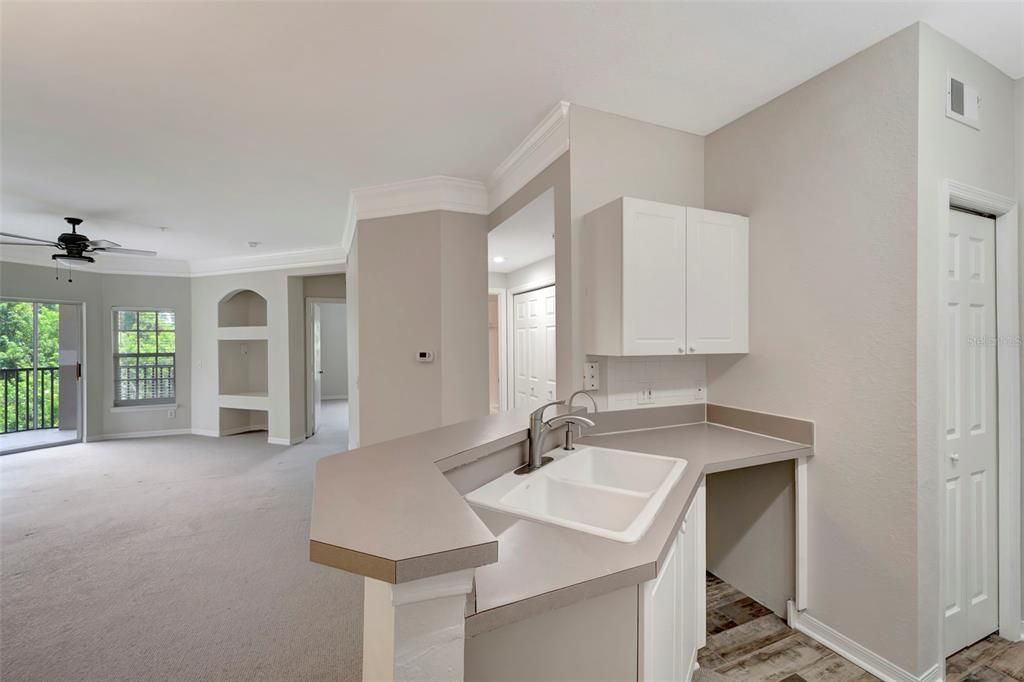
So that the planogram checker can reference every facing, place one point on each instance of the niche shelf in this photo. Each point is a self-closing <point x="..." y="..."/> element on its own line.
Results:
<point x="242" y="363"/>
<point x="242" y="308"/>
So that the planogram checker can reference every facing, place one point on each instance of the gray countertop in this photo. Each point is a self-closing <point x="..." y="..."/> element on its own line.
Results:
<point x="541" y="567"/>
<point x="386" y="511"/>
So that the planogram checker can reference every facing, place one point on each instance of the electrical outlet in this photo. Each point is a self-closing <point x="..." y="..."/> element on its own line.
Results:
<point x="591" y="376"/>
<point x="646" y="397"/>
<point x="172" y="413"/>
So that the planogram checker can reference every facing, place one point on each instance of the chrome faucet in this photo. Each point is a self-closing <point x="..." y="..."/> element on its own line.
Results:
<point x="539" y="428"/>
<point x="582" y="392"/>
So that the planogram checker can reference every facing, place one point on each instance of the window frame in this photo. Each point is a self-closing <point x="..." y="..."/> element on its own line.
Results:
<point x="116" y="355"/>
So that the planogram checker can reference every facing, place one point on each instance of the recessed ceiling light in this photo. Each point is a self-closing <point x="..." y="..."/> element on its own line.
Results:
<point x="498" y="259"/>
<point x="253" y="245"/>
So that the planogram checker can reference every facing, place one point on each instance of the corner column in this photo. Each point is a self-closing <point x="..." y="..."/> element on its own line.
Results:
<point x="416" y="631"/>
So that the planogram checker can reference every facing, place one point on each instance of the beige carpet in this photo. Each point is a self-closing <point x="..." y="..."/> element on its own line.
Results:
<point x="180" y="558"/>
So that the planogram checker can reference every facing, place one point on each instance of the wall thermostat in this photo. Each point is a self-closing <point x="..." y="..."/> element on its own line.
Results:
<point x="425" y="356"/>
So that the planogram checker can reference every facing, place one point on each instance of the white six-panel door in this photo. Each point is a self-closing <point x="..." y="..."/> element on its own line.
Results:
<point x="970" y="551"/>
<point x="717" y="274"/>
<point x="533" y="342"/>
<point x="653" y="278"/>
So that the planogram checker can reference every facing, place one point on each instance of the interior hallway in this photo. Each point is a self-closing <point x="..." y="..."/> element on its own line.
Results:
<point x="171" y="559"/>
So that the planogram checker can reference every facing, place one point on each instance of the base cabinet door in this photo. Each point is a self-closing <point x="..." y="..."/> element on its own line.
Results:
<point x="663" y="632"/>
<point x="672" y="605"/>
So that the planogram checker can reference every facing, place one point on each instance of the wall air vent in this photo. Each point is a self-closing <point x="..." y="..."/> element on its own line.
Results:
<point x="963" y="103"/>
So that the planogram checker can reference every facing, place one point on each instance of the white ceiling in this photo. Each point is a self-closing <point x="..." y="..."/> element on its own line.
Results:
<point x="231" y="121"/>
<point x="526" y="237"/>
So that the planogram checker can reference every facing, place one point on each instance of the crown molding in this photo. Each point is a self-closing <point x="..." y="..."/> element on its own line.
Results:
<point x="545" y="143"/>
<point x="433" y="193"/>
<point x="285" y="260"/>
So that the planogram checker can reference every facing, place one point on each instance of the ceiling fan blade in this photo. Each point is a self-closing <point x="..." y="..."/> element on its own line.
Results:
<point x="28" y="244"/>
<point x="31" y="239"/>
<point x="125" y="252"/>
<point x="103" y="243"/>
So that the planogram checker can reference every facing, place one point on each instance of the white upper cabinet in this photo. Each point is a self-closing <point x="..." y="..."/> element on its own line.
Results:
<point x="717" y="282"/>
<point x="660" y="279"/>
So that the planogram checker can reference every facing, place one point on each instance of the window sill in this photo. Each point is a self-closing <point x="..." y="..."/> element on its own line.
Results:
<point x="144" y="408"/>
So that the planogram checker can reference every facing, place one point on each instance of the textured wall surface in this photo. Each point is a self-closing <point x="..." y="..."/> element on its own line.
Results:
<point x="827" y="173"/>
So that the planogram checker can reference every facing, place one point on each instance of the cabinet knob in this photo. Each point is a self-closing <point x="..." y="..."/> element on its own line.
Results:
<point x="692" y="349"/>
<point x="681" y="349"/>
<point x="955" y="457"/>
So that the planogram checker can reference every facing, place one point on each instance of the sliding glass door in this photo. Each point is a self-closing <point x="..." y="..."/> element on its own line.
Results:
<point x="40" y="373"/>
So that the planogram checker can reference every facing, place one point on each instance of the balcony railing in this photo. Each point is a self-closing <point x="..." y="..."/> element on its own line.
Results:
<point x="31" y="398"/>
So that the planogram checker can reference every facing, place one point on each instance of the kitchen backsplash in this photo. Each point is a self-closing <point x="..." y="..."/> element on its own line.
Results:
<point x="636" y="382"/>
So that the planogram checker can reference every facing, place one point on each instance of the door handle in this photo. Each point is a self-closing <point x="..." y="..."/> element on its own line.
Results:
<point x="78" y="370"/>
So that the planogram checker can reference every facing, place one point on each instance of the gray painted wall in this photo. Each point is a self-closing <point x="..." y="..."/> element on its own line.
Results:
<point x="334" y="349"/>
<point x="100" y="294"/>
<point x="418" y="282"/>
<point x="829" y="168"/>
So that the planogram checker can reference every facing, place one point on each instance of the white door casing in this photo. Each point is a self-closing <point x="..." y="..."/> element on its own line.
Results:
<point x="653" y="278"/>
<point x="969" y="548"/>
<point x="717" y="282"/>
<point x="534" y="346"/>
<point x="318" y="371"/>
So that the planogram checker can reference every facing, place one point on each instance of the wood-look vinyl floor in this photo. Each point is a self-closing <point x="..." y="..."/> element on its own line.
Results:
<point x="993" y="659"/>
<point x="746" y="641"/>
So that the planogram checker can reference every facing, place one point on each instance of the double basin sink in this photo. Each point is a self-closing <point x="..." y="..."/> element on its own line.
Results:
<point x="613" y="494"/>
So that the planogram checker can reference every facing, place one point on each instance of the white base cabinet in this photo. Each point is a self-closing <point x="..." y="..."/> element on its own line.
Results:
<point x="672" y="606"/>
<point x="660" y="279"/>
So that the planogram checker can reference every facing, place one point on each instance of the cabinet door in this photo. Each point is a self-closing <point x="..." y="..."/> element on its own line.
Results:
<point x="693" y="584"/>
<point x="653" y="281"/>
<point x="663" y="607"/>
<point x="717" y="282"/>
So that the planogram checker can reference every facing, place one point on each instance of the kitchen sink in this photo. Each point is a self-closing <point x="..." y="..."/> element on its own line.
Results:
<point x="613" y="494"/>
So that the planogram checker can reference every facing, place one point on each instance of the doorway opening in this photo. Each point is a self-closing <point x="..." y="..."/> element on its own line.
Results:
<point x="41" y="372"/>
<point x="521" y="307"/>
<point x="326" y="360"/>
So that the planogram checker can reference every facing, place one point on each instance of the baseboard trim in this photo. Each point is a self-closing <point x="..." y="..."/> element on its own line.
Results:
<point x="141" y="434"/>
<point x="282" y="441"/>
<point x="857" y="653"/>
<point x="204" y="432"/>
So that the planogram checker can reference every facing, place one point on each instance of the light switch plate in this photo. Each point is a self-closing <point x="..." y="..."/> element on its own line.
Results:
<point x="646" y="397"/>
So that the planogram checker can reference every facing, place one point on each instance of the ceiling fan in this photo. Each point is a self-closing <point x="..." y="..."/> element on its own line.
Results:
<point x="75" y="246"/>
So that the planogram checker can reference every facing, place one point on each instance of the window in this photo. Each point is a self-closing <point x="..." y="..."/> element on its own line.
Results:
<point x="143" y="357"/>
